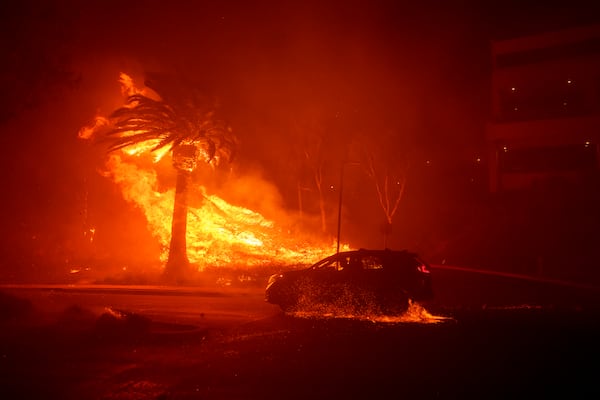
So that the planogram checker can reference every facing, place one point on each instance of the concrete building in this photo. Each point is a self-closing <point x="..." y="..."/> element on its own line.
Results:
<point x="545" y="124"/>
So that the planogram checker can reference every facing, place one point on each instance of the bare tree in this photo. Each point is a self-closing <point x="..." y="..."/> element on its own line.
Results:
<point x="388" y="169"/>
<point x="310" y="154"/>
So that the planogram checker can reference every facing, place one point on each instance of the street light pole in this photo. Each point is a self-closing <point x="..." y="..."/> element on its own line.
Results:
<point x="339" y="225"/>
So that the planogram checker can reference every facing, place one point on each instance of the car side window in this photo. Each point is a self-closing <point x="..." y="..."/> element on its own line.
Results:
<point x="372" y="263"/>
<point x="351" y="263"/>
<point x="337" y="265"/>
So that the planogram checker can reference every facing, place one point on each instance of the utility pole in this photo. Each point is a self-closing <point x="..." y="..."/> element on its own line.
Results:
<point x="339" y="225"/>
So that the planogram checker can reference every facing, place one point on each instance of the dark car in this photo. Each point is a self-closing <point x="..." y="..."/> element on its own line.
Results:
<point x="364" y="280"/>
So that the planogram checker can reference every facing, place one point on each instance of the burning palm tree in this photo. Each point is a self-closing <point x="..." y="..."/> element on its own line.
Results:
<point x="184" y="123"/>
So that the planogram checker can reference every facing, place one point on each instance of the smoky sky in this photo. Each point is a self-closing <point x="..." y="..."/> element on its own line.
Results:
<point x="420" y="69"/>
<point x="419" y="66"/>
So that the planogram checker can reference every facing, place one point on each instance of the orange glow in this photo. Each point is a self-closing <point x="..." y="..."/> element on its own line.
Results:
<point x="218" y="233"/>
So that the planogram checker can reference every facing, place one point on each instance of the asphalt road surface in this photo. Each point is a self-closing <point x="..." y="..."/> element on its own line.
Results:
<point x="536" y="340"/>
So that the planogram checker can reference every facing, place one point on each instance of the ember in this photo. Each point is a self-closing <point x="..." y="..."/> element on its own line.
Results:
<point x="415" y="314"/>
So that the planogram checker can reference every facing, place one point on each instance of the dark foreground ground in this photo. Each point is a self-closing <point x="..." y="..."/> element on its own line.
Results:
<point x="482" y="352"/>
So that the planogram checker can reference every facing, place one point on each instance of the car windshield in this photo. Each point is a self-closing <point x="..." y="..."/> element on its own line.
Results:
<point x="332" y="263"/>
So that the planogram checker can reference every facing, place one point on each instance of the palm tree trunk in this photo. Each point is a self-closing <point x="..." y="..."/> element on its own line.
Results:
<point x="178" y="264"/>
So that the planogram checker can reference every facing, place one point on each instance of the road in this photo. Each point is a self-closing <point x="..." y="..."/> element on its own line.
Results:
<point x="215" y="306"/>
<point x="134" y="342"/>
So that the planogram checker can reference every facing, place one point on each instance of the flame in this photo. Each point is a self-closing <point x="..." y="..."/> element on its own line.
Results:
<point x="146" y="147"/>
<point x="127" y="86"/>
<point x="218" y="233"/>
<point x="87" y="132"/>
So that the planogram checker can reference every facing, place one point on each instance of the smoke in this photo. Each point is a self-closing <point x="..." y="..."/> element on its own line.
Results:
<point x="251" y="190"/>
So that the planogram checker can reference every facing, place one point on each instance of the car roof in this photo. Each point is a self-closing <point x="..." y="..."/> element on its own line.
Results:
<point x="378" y="252"/>
<point x="373" y="252"/>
